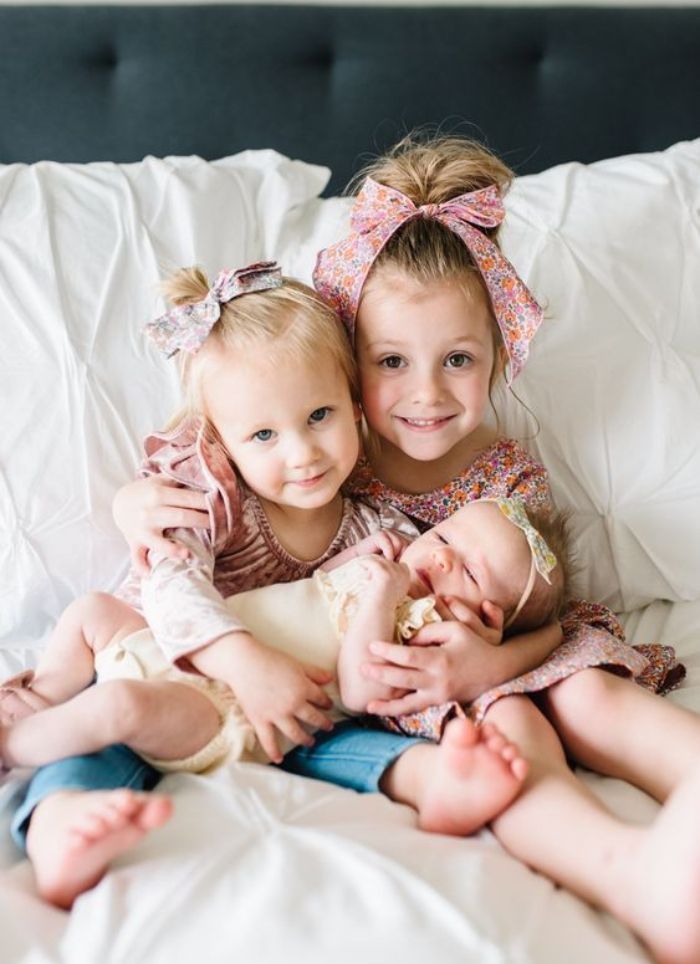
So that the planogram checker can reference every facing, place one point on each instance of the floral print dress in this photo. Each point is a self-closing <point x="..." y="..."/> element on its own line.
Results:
<point x="592" y="634"/>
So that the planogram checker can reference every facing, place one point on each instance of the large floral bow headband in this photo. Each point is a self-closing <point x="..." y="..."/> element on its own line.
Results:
<point x="186" y="327"/>
<point x="379" y="211"/>
<point x="543" y="559"/>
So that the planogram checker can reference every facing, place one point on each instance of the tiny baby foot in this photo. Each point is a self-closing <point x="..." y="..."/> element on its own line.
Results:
<point x="73" y="837"/>
<point x="475" y="775"/>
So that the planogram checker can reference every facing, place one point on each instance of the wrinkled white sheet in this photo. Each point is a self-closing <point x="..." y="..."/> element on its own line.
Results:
<point x="260" y="866"/>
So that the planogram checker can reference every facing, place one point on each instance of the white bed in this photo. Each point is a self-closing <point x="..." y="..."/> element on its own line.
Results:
<point x="257" y="865"/>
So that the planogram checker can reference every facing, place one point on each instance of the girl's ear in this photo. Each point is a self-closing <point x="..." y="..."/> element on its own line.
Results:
<point x="500" y="362"/>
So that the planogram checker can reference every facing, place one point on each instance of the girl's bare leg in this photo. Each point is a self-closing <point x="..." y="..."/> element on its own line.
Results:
<point x="164" y="720"/>
<point x="73" y="837"/>
<point x="615" y="727"/>
<point x="649" y="878"/>
<point x="85" y="627"/>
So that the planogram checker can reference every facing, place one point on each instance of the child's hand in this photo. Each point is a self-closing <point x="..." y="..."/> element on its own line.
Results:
<point x="444" y="661"/>
<point x="489" y="625"/>
<point x="143" y="509"/>
<point x="278" y="694"/>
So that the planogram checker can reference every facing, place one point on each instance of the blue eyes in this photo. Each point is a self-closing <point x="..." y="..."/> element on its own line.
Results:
<point x="319" y="415"/>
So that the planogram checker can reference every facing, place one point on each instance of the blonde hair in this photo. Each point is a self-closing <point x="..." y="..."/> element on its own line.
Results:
<point x="432" y="170"/>
<point x="547" y="601"/>
<point x="292" y="320"/>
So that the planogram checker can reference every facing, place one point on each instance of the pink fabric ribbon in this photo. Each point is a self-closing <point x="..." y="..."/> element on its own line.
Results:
<point x="342" y="268"/>
<point x="186" y="327"/>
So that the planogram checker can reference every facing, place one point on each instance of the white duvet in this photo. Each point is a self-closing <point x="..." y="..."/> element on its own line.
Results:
<point x="257" y="865"/>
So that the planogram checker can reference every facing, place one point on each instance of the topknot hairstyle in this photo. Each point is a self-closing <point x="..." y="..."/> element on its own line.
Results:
<point x="291" y="321"/>
<point x="431" y="170"/>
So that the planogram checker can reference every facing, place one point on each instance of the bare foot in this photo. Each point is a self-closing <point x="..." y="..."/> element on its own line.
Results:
<point x="660" y="897"/>
<point x="475" y="775"/>
<point x="74" y="836"/>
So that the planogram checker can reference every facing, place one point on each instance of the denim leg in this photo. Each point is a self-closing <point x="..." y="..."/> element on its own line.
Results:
<point x="116" y="766"/>
<point x="351" y="755"/>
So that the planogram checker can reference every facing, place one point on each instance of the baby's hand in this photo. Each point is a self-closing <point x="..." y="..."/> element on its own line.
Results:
<point x="144" y="509"/>
<point x="386" y="543"/>
<point x="388" y="580"/>
<point x="278" y="694"/>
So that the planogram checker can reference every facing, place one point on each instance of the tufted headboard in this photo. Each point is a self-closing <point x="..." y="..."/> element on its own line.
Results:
<point x="329" y="84"/>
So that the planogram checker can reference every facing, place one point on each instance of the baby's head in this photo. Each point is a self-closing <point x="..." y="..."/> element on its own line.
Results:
<point x="495" y="550"/>
<point x="268" y="369"/>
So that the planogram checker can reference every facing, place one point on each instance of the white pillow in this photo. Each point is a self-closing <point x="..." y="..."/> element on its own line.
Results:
<point x="612" y="249"/>
<point x="81" y="253"/>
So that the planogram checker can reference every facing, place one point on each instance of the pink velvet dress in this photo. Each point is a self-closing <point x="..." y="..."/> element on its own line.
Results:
<point x="183" y="601"/>
<point x="592" y="634"/>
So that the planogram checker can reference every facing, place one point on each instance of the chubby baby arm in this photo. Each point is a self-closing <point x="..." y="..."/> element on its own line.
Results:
<point x="372" y="616"/>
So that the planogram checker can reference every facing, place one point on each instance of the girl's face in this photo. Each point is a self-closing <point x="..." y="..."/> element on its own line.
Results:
<point x="425" y="356"/>
<point x="290" y="426"/>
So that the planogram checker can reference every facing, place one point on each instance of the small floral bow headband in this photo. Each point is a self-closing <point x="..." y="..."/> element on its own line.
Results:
<point x="186" y="327"/>
<point x="379" y="211"/>
<point x="543" y="559"/>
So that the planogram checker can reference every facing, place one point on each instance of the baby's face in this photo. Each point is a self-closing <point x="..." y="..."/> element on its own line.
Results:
<point x="475" y="555"/>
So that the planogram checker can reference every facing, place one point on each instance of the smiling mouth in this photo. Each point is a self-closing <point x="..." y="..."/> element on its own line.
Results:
<point x="309" y="483"/>
<point x="425" y="424"/>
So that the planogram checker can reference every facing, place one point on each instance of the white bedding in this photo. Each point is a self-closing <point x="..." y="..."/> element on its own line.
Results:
<point x="257" y="864"/>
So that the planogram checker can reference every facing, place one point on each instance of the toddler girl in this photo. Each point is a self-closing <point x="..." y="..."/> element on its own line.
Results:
<point x="438" y="315"/>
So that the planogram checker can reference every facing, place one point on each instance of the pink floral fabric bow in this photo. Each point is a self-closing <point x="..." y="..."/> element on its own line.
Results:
<point x="342" y="268"/>
<point x="186" y="327"/>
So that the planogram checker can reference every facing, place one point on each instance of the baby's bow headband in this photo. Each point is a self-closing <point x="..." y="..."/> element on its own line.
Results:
<point x="379" y="211"/>
<point x="543" y="559"/>
<point x="186" y="327"/>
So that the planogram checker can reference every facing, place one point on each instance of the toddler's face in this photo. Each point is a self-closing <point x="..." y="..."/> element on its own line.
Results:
<point x="425" y="356"/>
<point x="289" y="426"/>
<point x="474" y="555"/>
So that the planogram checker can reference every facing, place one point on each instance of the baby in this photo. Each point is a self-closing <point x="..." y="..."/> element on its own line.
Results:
<point x="487" y="552"/>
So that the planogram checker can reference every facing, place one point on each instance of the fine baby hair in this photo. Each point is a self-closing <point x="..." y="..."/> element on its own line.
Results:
<point x="547" y="601"/>
<point x="282" y="316"/>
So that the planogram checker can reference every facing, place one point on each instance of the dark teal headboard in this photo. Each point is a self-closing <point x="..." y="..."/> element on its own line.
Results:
<point x="329" y="84"/>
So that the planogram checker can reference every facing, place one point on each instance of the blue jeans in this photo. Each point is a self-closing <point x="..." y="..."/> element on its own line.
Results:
<point x="351" y="755"/>
<point x="117" y="766"/>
